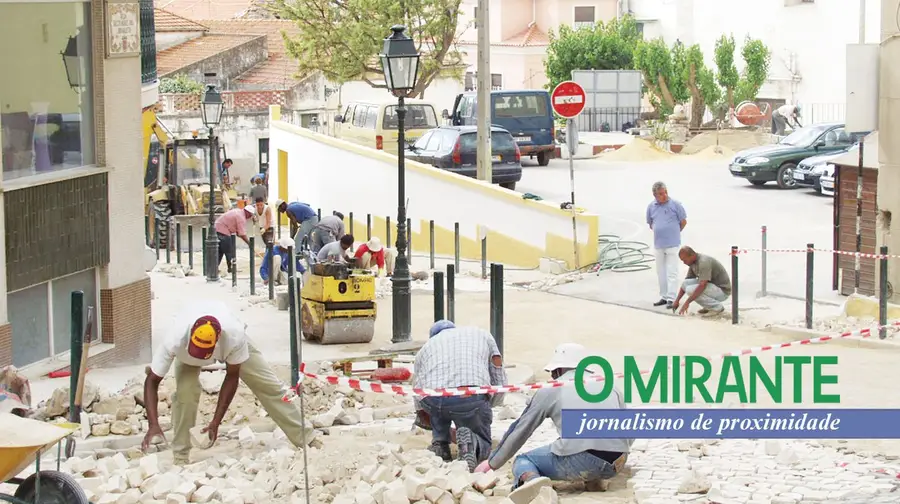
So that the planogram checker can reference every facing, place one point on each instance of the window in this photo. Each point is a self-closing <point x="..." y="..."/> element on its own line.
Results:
<point x="46" y="112"/>
<point x="348" y="114"/>
<point x="520" y="105"/>
<point x="371" y="117"/>
<point x="584" y="17"/>
<point x="148" y="43"/>
<point x="448" y="140"/>
<point x="640" y="29"/>
<point x="496" y="82"/>
<point x="422" y="141"/>
<point x="470" y="81"/>
<point x="359" y="117"/>
<point x="468" y="142"/>
<point x="434" y="143"/>
<point x="417" y="117"/>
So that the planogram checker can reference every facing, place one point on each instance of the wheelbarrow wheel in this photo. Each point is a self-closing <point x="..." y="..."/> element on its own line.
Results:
<point x="56" y="488"/>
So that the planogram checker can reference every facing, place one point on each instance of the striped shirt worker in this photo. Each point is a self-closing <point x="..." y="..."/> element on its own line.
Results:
<point x="459" y="357"/>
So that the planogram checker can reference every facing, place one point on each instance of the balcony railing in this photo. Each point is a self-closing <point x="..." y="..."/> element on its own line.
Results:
<point x="148" y="43"/>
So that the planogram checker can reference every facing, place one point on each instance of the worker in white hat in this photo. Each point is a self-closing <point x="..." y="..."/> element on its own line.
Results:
<point x="372" y="255"/>
<point x="281" y="258"/>
<point x="575" y="460"/>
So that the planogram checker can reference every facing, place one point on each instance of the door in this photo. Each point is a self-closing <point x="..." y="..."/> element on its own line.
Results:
<point x="282" y="175"/>
<point x="264" y="158"/>
<point x="345" y="127"/>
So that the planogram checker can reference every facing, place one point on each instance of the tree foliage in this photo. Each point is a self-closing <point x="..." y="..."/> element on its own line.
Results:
<point x="742" y="86"/>
<point x="605" y="46"/>
<point x="655" y="61"/>
<point x="180" y="84"/>
<point x="342" y="38"/>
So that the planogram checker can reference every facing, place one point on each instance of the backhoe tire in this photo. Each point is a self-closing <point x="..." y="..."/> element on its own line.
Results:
<point x="162" y="212"/>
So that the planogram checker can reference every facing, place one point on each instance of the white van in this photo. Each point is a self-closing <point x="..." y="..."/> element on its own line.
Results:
<point x="375" y="124"/>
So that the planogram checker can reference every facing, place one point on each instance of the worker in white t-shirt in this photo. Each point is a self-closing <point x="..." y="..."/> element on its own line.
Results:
<point x="203" y="333"/>
<point x="784" y="116"/>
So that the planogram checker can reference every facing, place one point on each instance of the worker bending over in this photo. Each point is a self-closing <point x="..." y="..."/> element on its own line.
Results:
<point x="706" y="282"/>
<point x="783" y="116"/>
<point x="328" y="230"/>
<point x="232" y="222"/>
<point x="265" y="220"/>
<point x="302" y="217"/>
<point x="460" y="357"/>
<point x="204" y="333"/>
<point x="336" y="251"/>
<point x="577" y="460"/>
<point x="372" y="255"/>
<point x="281" y="258"/>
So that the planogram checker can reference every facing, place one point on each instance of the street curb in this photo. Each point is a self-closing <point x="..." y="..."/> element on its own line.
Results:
<point x="802" y="333"/>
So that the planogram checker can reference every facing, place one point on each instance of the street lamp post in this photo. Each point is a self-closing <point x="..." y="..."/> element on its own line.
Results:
<point x="400" y="64"/>
<point x="211" y="109"/>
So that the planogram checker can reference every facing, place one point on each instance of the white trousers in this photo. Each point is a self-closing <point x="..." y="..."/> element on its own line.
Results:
<point x="667" y="272"/>
<point x="279" y="276"/>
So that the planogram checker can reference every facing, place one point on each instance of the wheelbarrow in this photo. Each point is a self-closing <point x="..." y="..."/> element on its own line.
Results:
<point x="22" y="442"/>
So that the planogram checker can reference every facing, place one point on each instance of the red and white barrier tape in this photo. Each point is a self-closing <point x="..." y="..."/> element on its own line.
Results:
<point x="804" y="251"/>
<point x="380" y="388"/>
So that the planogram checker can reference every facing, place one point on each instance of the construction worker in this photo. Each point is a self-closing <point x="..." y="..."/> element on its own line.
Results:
<point x="265" y="220"/>
<point x="257" y="189"/>
<point x="302" y="217"/>
<point x="205" y="333"/>
<point x="232" y="222"/>
<point x="336" y="251"/>
<point x="707" y="283"/>
<point x="783" y="116"/>
<point x="372" y="255"/>
<point x="328" y="230"/>
<point x="280" y="260"/>
<point x="459" y="357"/>
<point x="578" y="460"/>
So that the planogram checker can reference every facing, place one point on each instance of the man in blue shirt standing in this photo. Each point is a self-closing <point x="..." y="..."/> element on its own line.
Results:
<point x="302" y="217"/>
<point x="667" y="218"/>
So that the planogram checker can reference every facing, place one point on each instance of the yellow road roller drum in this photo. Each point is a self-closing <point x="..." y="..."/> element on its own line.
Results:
<point x="338" y="305"/>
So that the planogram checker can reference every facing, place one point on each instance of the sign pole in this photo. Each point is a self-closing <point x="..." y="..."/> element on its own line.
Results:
<point x="568" y="101"/>
<point x="572" y="141"/>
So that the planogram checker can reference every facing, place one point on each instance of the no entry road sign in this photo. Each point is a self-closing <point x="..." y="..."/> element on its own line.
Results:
<point x="568" y="99"/>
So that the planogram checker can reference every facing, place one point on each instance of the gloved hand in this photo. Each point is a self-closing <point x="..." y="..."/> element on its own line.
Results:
<point x="483" y="467"/>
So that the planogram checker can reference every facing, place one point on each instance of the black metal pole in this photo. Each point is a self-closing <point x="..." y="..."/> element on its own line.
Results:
<point x="387" y="228"/>
<point x="319" y="213"/>
<point x="456" y="245"/>
<point x="169" y="244"/>
<point x="734" y="285"/>
<point x="77" y="348"/>
<point x="402" y="301"/>
<point x="409" y="244"/>
<point x="431" y="244"/>
<point x="764" y="270"/>
<point x="252" y="266"/>
<point x="351" y="224"/>
<point x="178" y="242"/>
<point x="484" y="270"/>
<point x="369" y="229"/>
<point x="497" y="304"/>
<point x="438" y="295"/>
<point x="279" y="224"/>
<point x="883" y="293"/>
<point x="147" y="229"/>
<point x="810" y="269"/>
<point x="233" y="260"/>
<point x="156" y="235"/>
<point x="270" y="263"/>
<point x="211" y="243"/>
<point x="451" y="293"/>
<point x="203" y="255"/>
<point x="190" y="246"/>
<point x="292" y="296"/>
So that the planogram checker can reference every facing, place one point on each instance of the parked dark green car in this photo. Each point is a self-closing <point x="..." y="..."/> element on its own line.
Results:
<point x="776" y="162"/>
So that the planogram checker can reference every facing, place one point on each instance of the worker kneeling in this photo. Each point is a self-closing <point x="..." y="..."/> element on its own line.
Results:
<point x="203" y="334"/>
<point x="456" y="357"/>
<point x="371" y="255"/>
<point x="281" y="258"/>
<point x="576" y="460"/>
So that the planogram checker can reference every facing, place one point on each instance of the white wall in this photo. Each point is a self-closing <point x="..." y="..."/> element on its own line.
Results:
<point x="165" y="40"/>
<point x="813" y="35"/>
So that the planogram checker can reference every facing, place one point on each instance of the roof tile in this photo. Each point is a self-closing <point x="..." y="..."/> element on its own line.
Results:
<point x="529" y="37"/>
<point x="165" y="21"/>
<point x="197" y="49"/>
<point x="280" y="68"/>
<point x="205" y="9"/>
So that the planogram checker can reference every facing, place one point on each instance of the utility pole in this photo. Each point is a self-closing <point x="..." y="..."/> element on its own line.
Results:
<point x="862" y="21"/>
<point x="483" y="97"/>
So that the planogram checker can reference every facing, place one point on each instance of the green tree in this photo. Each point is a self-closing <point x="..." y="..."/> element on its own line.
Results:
<point x="605" y="46"/>
<point x="756" y="69"/>
<point x="701" y="83"/>
<point x="727" y="75"/>
<point x="342" y="39"/>
<point x="180" y="84"/>
<point x="661" y="68"/>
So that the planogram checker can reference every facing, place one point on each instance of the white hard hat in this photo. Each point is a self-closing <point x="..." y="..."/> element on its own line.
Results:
<point x="251" y="209"/>
<point x="566" y="356"/>
<point x="278" y="203"/>
<point x="374" y="244"/>
<point x="286" y="242"/>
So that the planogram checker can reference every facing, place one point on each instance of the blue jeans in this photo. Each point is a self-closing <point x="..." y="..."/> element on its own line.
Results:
<point x="472" y="412"/>
<point x="578" y="467"/>
<point x="712" y="296"/>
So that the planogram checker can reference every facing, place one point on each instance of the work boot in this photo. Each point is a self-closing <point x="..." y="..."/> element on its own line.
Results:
<point x="441" y="450"/>
<point x="660" y="302"/>
<point x="466" y="447"/>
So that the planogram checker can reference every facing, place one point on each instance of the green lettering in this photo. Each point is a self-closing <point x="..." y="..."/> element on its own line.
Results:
<point x="608" y="379"/>
<point x="659" y="373"/>
<point x="731" y="366"/>
<point x="798" y="361"/>
<point x="758" y="373"/>
<point x="690" y="381"/>
<point x="676" y="379"/>
<point x="819" y="379"/>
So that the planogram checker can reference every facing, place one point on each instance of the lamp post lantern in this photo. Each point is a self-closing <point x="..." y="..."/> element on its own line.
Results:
<point x="211" y="106"/>
<point x="400" y="64"/>
<point x="72" y="62"/>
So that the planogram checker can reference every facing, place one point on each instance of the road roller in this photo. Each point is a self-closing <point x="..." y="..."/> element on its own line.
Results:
<point x="338" y="305"/>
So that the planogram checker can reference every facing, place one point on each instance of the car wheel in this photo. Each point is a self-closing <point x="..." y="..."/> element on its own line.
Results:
<point x="785" y="177"/>
<point x="543" y="158"/>
<point x="509" y="185"/>
<point x="758" y="182"/>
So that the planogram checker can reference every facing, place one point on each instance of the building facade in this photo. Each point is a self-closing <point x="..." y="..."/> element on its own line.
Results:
<point x="70" y="123"/>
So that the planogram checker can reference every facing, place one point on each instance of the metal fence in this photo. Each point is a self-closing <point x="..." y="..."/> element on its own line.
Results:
<point x="613" y="118"/>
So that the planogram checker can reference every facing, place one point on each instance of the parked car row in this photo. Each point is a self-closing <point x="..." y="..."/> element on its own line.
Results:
<point x="801" y="159"/>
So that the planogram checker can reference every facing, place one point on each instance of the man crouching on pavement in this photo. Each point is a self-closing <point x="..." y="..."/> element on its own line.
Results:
<point x="204" y="333"/>
<point x="460" y="357"/>
<point x="585" y="460"/>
